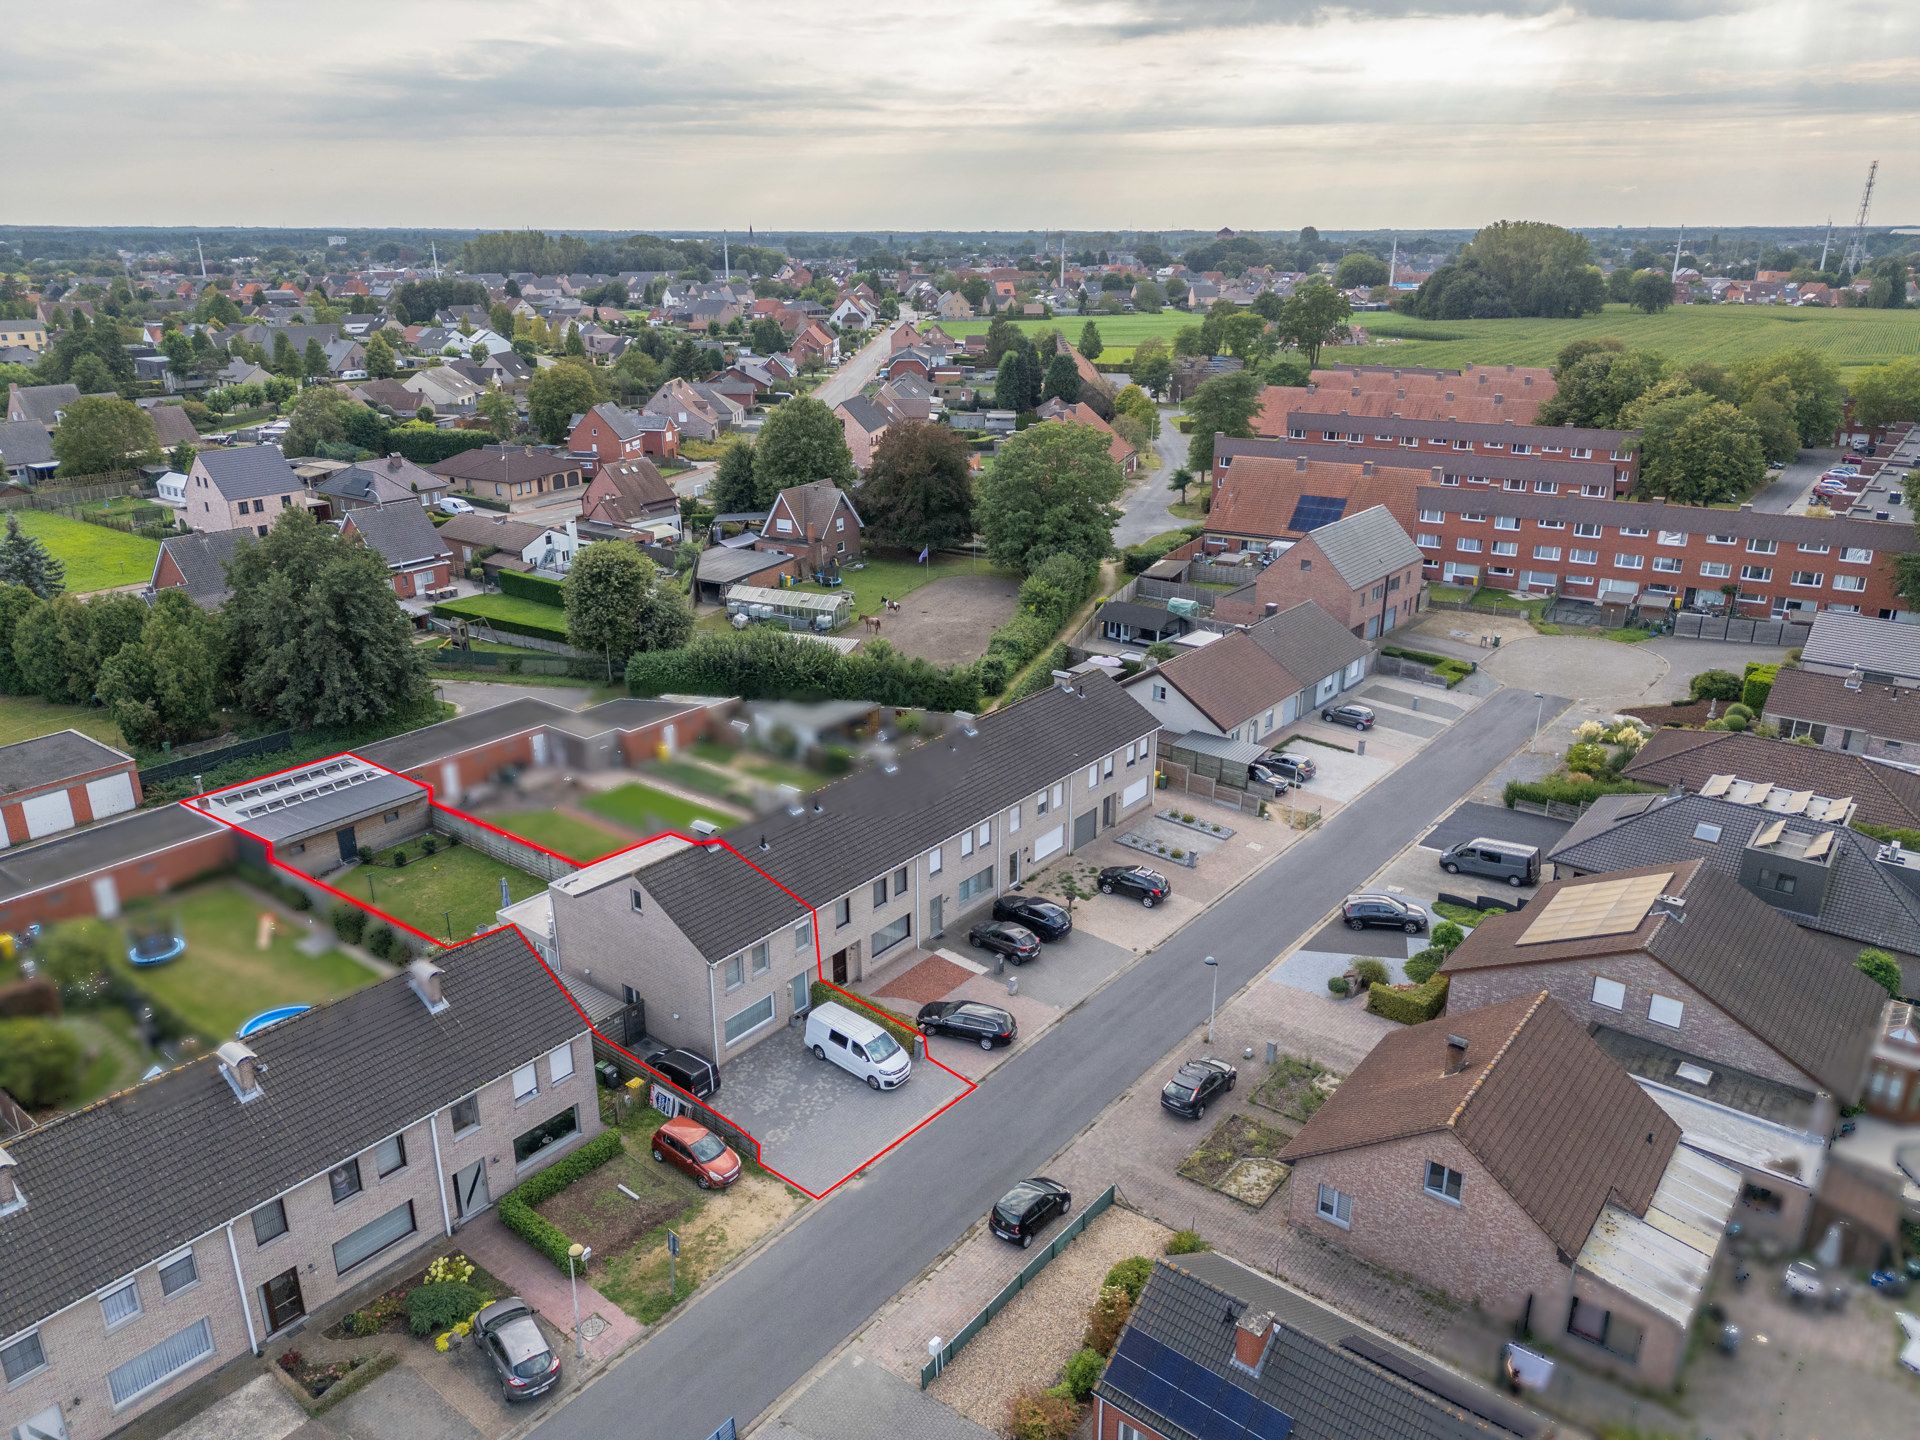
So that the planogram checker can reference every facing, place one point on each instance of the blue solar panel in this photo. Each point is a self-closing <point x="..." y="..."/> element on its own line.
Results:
<point x="1190" y="1395"/>
<point x="1310" y="512"/>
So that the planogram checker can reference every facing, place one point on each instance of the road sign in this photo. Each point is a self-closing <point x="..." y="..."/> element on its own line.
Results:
<point x="673" y="1243"/>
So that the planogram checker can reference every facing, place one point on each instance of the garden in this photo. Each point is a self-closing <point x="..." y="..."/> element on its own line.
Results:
<point x="1295" y="1087"/>
<point x="574" y="836"/>
<point x="646" y="810"/>
<point x="1238" y="1160"/>
<point x="1591" y="768"/>
<point x="96" y="557"/>
<point x="436" y="886"/>
<point x="896" y="577"/>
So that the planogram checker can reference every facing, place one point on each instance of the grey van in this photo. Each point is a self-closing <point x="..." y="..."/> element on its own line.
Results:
<point x="1495" y="859"/>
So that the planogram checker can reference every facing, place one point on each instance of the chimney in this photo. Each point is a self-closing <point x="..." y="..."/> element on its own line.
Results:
<point x="424" y="977"/>
<point x="242" y="1069"/>
<point x="1300" y="465"/>
<point x="11" y="1197"/>
<point x="1366" y="468"/>
<point x="1456" y="1054"/>
<point x="393" y="462"/>
<point x="1251" y="1334"/>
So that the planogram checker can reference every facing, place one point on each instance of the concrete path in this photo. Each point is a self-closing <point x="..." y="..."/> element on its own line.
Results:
<point x="259" y="1410"/>
<point x="465" y="695"/>
<point x="488" y="1244"/>
<point x="858" y="1399"/>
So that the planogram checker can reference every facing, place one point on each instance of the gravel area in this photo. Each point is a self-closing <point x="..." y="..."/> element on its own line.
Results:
<point x="1030" y="1342"/>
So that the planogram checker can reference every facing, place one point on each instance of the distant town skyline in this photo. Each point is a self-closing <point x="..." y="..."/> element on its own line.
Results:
<point x="1127" y="114"/>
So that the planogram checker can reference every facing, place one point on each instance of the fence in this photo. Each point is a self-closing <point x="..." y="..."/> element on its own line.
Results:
<point x="1407" y="670"/>
<point x="1101" y="1203"/>
<point x="1163" y="590"/>
<point x="199" y="761"/>
<point x="1203" y="571"/>
<point x="68" y="497"/>
<point x="617" y="1056"/>
<point x="1691" y="625"/>
<point x="544" y="664"/>
<point x="1552" y="809"/>
<point x="507" y="849"/>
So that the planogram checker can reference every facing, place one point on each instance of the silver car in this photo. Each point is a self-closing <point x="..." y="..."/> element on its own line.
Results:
<point x="511" y="1337"/>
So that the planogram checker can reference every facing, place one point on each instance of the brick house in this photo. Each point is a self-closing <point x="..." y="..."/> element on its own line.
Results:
<point x="54" y="782"/>
<point x="694" y="416"/>
<point x="633" y="494"/>
<point x="1846" y="713"/>
<point x="813" y="341"/>
<point x="1501" y="1157"/>
<point x="1692" y="759"/>
<point x="400" y="532"/>
<point x="1886" y="652"/>
<point x="323" y="816"/>
<point x="1081" y="413"/>
<point x="1261" y="498"/>
<point x="380" y="482"/>
<point x="864" y="422"/>
<point x="816" y="523"/>
<point x="614" y="433"/>
<point x="344" y="1141"/>
<point x="510" y="473"/>
<point x="1497" y="468"/>
<point x="245" y="488"/>
<point x="1361" y="569"/>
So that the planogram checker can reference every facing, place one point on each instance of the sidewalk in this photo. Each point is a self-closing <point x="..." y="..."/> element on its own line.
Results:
<point x="608" y="1329"/>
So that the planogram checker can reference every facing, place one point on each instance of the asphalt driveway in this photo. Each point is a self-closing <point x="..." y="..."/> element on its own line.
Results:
<point x="1473" y="820"/>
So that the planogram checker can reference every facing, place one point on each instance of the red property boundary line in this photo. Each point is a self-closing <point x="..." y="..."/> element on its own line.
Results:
<point x="926" y="1043"/>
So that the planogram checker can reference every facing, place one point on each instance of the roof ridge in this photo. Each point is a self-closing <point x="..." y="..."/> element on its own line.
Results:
<point x="1498" y="1055"/>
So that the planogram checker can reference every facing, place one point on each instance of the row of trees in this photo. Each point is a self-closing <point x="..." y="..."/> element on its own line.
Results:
<point x="1514" y="267"/>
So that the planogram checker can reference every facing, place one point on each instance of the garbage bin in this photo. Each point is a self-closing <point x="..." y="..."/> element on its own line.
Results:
<point x="1496" y="642"/>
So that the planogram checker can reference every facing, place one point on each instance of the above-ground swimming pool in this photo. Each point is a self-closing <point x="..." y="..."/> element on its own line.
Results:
<point x="271" y="1017"/>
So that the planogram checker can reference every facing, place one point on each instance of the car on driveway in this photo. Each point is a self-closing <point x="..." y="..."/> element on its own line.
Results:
<point x="512" y="1340"/>
<point x="1195" y="1083"/>
<point x="689" y="1146"/>
<point x="1388" y="912"/>
<point x="693" y="1073"/>
<point x="1003" y="937"/>
<point x="1360" y="717"/>
<point x="452" y="505"/>
<point x="987" y="1025"/>
<point x="1149" y="887"/>
<point x="1040" y="915"/>
<point x="1268" y="778"/>
<point x="1028" y="1208"/>
<point x="1296" y="768"/>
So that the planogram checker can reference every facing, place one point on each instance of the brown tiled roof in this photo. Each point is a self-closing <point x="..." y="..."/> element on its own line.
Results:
<point x="813" y="506"/>
<point x="1259" y="494"/>
<point x="1231" y="679"/>
<point x="637" y="488"/>
<point x="1688" y="519"/>
<point x="1570" y="475"/>
<point x="1887" y="711"/>
<point x="1560" y="1125"/>
<point x="1884" y="794"/>
<point x="505" y="463"/>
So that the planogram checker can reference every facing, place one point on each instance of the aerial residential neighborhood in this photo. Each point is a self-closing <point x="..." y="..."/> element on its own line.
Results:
<point x="739" y="727"/>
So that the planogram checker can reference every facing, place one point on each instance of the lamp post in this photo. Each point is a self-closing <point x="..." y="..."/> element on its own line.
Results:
<point x="577" y="1252"/>
<point x="1539" y="713"/>
<point x="1213" y="968"/>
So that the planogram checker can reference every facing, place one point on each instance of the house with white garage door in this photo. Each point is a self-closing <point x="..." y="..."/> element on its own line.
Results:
<point x="55" y="782"/>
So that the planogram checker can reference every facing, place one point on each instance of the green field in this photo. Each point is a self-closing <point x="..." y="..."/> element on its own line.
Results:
<point x="456" y="889"/>
<point x="96" y="558"/>
<point x="548" y="621"/>
<point x="22" y="717"/>
<point x="647" y="811"/>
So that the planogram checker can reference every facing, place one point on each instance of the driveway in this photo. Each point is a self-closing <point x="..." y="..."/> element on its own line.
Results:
<point x="1472" y="820"/>
<point x="852" y="377"/>
<point x="1144" y="509"/>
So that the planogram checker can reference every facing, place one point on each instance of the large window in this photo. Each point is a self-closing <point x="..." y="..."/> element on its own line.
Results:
<point x="373" y="1237"/>
<point x="1335" y="1205"/>
<point x="1663" y="1010"/>
<point x="21" y="1358"/>
<point x="160" y="1364"/>
<point x="269" y="1222"/>
<point x="345" y="1181"/>
<point x="1610" y="993"/>
<point x="744" y="1022"/>
<point x="976" y="885"/>
<point x="549" y="1132"/>
<point x="888" y="936"/>
<point x="1443" y="1182"/>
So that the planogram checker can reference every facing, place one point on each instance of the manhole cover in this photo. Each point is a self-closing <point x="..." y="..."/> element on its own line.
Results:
<point x="592" y="1327"/>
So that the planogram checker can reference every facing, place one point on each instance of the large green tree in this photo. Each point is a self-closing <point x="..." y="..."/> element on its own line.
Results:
<point x="613" y="610"/>
<point x="1596" y="387"/>
<point x="1049" y="491"/>
<point x="1360" y="270"/>
<point x="557" y="394"/>
<point x="496" y="407"/>
<point x="1062" y="380"/>
<point x="1514" y="267"/>
<point x="324" y="416"/>
<point x="98" y="433"/>
<point x="765" y="336"/>
<point x="1015" y="386"/>
<point x="1650" y="291"/>
<point x="381" y="362"/>
<point x="1885" y="394"/>
<point x="166" y="685"/>
<point x="16" y="601"/>
<point x="53" y="647"/>
<point x="1090" y="345"/>
<point x="733" y="490"/>
<point x="1696" y="450"/>
<point x="1818" y="405"/>
<point x="1225" y="405"/>
<point x="801" y="441"/>
<point x="1152" y="367"/>
<point x="25" y="562"/>
<point x="919" y="488"/>
<point x="1315" y="315"/>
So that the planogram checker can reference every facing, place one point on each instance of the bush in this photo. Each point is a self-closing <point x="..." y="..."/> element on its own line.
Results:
<point x="537" y="588"/>
<point x="1130" y="1275"/>
<point x="39" y="1062"/>
<point x="382" y="942"/>
<point x="430" y="845"/>
<point x="898" y="1026"/>
<point x="29" y="999"/>
<point x="1758" y="686"/>
<point x="400" y="857"/>
<point x="1422" y="967"/>
<point x="1881" y="968"/>
<point x="1446" y="937"/>
<point x="762" y="664"/>
<point x="1453" y="671"/>
<point x="1715" y="685"/>
<point x="1568" y="791"/>
<point x="1730" y="721"/>
<point x="1137" y="559"/>
<point x="1414" y="1005"/>
<point x="1739" y="711"/>
<point x="1107" y="1318"/>
<point x="1370" y="972"/>
<point x="1042" y="1415"/>
<point x="1083" y="1373"/>
<point x="1337" y="984"/>
<point x="440" y="1307"/>
<point x="349" y="923"/>
<point x="1588" y="757"/>
<point x="1186" y="1242"/>
<point x="516" y="1206"/>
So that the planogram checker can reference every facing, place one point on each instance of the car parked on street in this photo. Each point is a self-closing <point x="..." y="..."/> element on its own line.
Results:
<point x="689" y="1146"/>
<point x="1003" y="937"/>
<point x="695" y="1074"/>
<point x="1149" y="887"/>
<point x="1360" y="717"/>
<point x="1364" y="912"/>
<point x="511" y="1338"/>
<point x="1297" y="768"/>
<point x="1028" y="1208"/>
<point x="1195" y="1083"/>
<point x="986" y="1025"/>
<point x="1040" y="915"/>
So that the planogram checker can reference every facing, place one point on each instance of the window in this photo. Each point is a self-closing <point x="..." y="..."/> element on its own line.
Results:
<point x="1671" y="537"/>
<point x="376" y="1235"/>
<point x="935" y="860"/>
<point x="1777" y="881"/>
<point x="1551" y="524"/>
<point x="179" y="1273"/>
<point x="1820" y="549"/>
<point x="1473" y="517"/>
<point x="842" y="912"/>
<point x="976" y="885"/>
<point x="1506" y="547"/>
<point x="1093" y="779"/>
<point x="1442" y="1182"/>
<point x="269" y="1222"/>
<point x="1587" y="530"/>
<point x="526" y="1082"/>
<point x="1715" y="570"/>
<point x="1624" y="561"/>
<point x="1633" y="532"/>
<point x="1721" y="540"/>
<point x="160" y="1364"/>
<point x="1814" y="732"/>
<point x="1854" y="555"/>
<point x="744" y="1022"/>
<point x="1335" y="1206"/>
<point x="120" y="1305"/>
<point x="900" y="881"/>
<point x="879" y="892"/>
<point x="1467" y="545"/>
<point x="1762" y="547"/>
<point x="1813" y="579"/>
<point x="1506" y="522"/>
<point x="466" y="1114"/>
<point x="344" y="1182"/>
<point x="1013" y="815"/>
<point x="1603" y="1328"/>
<point x="1579" y="579"/>
<point x="1427" y="539"/>
<point x="559" y="1066"/>
<point x="1667" y="564"/>
<point x="637" y="899"/>
<point x="1583" y="557"/>
<point x="1546" y="552"/>
<point x="1610" y="993"/>
<point x="1433" y="517"/>
<point x="735" y="977"/>
<point x="1759" y="573"/>
<point x="1849" y="582"/>
<point x="1664" y="1011"/>
<point x="549" y="1133"/>
<point x="391" y="1153"/>
<point x="23" y="1357"/>
<point x="1708" y="832"/>
<point x="1106" y="773"/>
<point x="1159" y="693"/>
<point x="888" y="936"/>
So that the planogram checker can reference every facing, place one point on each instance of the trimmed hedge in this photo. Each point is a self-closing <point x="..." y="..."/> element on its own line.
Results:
<point x="1137" y="559"/>
<point x="763" y="664"/>
<point x="516" y="1206"/>
<point x="452" y="610"/>
<point x="1885" y="834"/>
<point x="1758" y="685"/>
<point x="1413" y="1006"/>
<point x="1555" y="790"/>
<point x="537" y="588"/>
<point x="898" y="1026"/>
<point x="426" y="444"/>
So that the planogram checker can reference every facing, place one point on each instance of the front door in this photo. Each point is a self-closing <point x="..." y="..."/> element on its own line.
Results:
<point x="280" y="1299"/>
<point x="470" y="1190"/>
<point x="839" y="967"/>
<point x="349" y="846"/>
<point x="937" y="915"/>
<point x="1106" y="812"/>
<point x="1013" y="869"/>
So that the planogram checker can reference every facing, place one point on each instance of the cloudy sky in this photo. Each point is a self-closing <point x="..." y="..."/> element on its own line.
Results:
<point x="878" y="114"/>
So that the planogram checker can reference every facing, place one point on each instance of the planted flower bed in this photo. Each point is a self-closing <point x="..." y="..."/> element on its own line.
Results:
<point x="1295" y="1087"/>
<point x="1159" y="849"/>
<point x="1237" y="1160"/>
<point x="1198" y="822"/>
<point x="317" y="1380"/>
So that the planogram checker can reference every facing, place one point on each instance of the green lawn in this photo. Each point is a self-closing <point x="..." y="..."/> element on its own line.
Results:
<point x="647" y="811"/>
<point x="96" y="558"/>
<point x="545" y="619"/>
<point x="685" y="775"/>
<point x="568" y="834"/>
<point x="456" y="887"/>
<point x="1118" y="333"/>
<point x="112" y="1056"/>
<point x="22" y="718"/>
<point x="894" y="577"/>
<point x="761" y="767"/>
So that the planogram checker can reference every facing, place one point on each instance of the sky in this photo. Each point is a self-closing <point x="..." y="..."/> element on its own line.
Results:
<point x="993" y="114"/>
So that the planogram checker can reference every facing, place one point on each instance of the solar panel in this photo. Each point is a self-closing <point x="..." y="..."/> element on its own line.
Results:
<point x="1604" y="907"/>
<point x="1310" y="512"/>
<point x="1190" y="1395"/>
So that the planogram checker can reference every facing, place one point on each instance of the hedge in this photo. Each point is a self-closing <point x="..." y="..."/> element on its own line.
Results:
<point x="538" y="588"/>
<point x="762" y="664"/>
<point x="1561" y="791"/>
<point x="427" y="444"/>
<point x="456" y="610"/>
<point x="1886" y="834"/>
<point x="1758" y="686"/>
<point x="898" y="1026"/>
<point x="516" y="1206"/>
<point x="1414" y="1006"/>
<point x="1139" y="558"/>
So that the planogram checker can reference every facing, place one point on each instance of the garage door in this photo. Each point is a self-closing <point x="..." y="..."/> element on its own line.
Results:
<point x="47" y="814"/>
<point x="1134" y="793"/>
<point x="1085" y="827"/>
<point x="1049" y="843"/>
<point x="111" y="796"/>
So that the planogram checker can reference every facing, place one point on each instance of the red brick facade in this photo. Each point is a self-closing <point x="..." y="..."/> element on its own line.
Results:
<point x="1369" y="611"/>
<point x="13" y="817"/>
<point x="164" y="870"/>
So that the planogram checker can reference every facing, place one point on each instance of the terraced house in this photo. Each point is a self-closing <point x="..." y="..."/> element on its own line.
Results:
<point x="156" y="1235"/>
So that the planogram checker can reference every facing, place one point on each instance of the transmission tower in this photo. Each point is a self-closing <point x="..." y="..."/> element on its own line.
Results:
<point x="1857" y="247"/>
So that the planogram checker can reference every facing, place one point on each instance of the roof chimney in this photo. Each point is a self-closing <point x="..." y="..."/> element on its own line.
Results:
<point x="1300" y="464"/>
<point x="1456" y="1054"/>
<point x="424" y="977"/>
<point x="393" y="462"/>
<point x="242" y="1069"/>
<point x="1251" y="1334"/>
<point x="11" y="1197"/>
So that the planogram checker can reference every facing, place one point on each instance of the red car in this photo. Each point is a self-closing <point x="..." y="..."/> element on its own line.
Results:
<point x="692" y="1147"/>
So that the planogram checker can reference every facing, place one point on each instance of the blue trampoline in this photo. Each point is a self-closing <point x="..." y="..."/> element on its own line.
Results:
<point x="156" y="949"/>
<point x="270" y="1017"/>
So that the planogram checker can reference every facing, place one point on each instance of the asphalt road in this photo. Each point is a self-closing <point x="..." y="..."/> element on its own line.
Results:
<point x="746" y="1341"/>
<point x="1791" y="486"/>
<point x="851" y="378"/>
<point x="1143" y="509"/>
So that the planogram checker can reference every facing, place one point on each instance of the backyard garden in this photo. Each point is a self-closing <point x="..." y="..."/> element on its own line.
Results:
<point x="436" y="886"/>
<point x="96" y="557"/>
<point x="646" y="810"/>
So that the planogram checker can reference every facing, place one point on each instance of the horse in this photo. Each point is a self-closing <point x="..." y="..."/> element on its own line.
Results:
<point x="872" y="622"/>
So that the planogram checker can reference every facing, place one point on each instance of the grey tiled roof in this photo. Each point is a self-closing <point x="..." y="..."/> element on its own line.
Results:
<point x="1884" y="794"/>
<point x="864" y="413"/>
<point x="1325" y="412"/>
<point x="203" y="558"/>
<point x="400" y="532"/>
<point x="1366" y="547"/>
<point x="50" y="759"/>
<point x="25" y="442"/>
<point x="1307" y="642"/>
<point x="1891" y="712"/>
<point x="117" y="1185"/>
<point x="250" y="472"/>
<point x="1888" y="647"/>
<point x="39" y="403"/>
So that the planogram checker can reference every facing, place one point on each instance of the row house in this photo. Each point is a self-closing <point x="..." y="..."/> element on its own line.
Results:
<point x="1628" y="554"/>
<point x="306" y="1165"/>
<point x="1541" y="474"/>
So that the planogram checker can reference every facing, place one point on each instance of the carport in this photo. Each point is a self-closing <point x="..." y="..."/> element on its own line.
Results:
<point x="1213" y="757"/>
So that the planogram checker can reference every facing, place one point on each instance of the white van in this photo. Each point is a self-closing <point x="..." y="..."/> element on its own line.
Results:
<point x="857" y="1044"/>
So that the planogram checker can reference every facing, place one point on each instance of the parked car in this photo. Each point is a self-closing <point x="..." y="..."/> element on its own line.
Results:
<point x="1362" y="912"/>
<point x="688" y="1145"/>
<point x="1149" y="887"/>
<point x="1044" y="918"/>
<point x="452" y="505"/>
<point x="1268" y="778"/>
<point x="511" y="1337"/>
<point x="1296" y="768"/>
<point x="1003" y="937"/>
<point x="1028" y="1208"/>
<point x="1195" y="1083"/>
<point x="858" y="1045"/>
<point x="1360" y="717"/>
<point x="988" y="1025"/>
<point x="693" y="1073"/>
<point x="1495" y="859"/>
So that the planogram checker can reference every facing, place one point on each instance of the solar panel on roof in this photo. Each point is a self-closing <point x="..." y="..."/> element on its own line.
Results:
<point x="1310" y="512"/>
<point x="1190" y="1395"/>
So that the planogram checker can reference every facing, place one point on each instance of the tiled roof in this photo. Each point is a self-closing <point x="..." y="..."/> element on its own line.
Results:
<point x="637" y="488"/>
<point x="250" y="472"/>
<point x="1366" y="547"/>
<point x="864" y="413"/>
<point x="1570" y="474"/>
<point x="25" y="442"/>
<point x="39" y="403"/>
<point x="1259" y="495"/>
<point x="1229" y="681"/>
<point x="504" y="463"/>
<point x="1884" y="794"/>
<point x="114" y="1186"/>
<point x="1561" y="1127"/>
<point x="1888" y="647"/>
<point x="1307" y="642"/>
<point x="625" y="424"/>
<point x="173" y="426"/>
<point x="401" y="532"/>
<point x="483" y="529"/>
<point x="1890" y="712"/>
<point x="1688" y="519"/>
<point x="51" y="759"/>
<point x="203" y="558"/>
<point x="1323" y="412"/>
<point x="813" y="507"/>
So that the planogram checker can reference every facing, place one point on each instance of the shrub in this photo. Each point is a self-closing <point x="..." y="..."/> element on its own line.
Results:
<point x="1446" y="937"/>
<point x="450" y="1268"/>
<point x="440" y="1306"/>
<point x="1130" y="1275"/>
<point x="1715" y="685"/>
<point x="1107" y="1318"/>
<point x="1337" y="984"/>
<point x="430" y="845"/>
<point x="1186" y="1242"/>
<point x="1739" y="710"/>
<point x="1589" y="730"/>
<point x="1369" y="971"/>
<point x="1422" y="967"/>
<point x="382" y="942"/>
<point x="39" y="1062"/>
<point x="1041" y="1415"/>
<point x="516" y="1206"/>
<point x="29" y="999"/>
<point x="400" y="857"/>
<point x="1758" y="686"/>
<point x="1582" y="755"/>
<point x="1881" y="968"/>
<point x="537" y="588"/>
<point x="1567" y="790"/>
<point x="896" y="1025"/>
<point x="1083" y="1373"/>
<point x="1413" y="1005"/>
<point x="349" y="923"/>
<point x="1734" y="722"/>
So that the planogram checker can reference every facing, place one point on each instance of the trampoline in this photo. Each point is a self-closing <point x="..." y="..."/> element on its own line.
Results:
<point x="156" y="949"/>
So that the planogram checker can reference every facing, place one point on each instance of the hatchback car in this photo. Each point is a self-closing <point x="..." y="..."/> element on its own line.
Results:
<point x="1268" y="778"/>
<point x="1364" y="912"/>
<point x="693" y="1073"/>
<point x="1028" y="1208"/>
<point x="511" y="1337"/>
<point x="988" y="1025"/>
<point x="1195" y="1083"/>
<point x="689" y="1146"/>
<point x="1296" y="768"/>
<point x="1149" y="887"/>
<point x="1358" y="716"/>
<point x="1003" y="937"/>
<point x="1046" y="919"/>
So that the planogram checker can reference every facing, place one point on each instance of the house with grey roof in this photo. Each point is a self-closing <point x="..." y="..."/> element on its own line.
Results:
<point x="197" y="563"/>
<point x="42" y="404"/>
<point x="26" y="451"/>
<point x="380" y="482"/>
<point x="171" y="424"/>
<point x="816" y="523"/>
<point x="1883" y="652"/>
<point x="417" y="558"/>
<point x="1847" y="712"/>
<point x="246" y="487"/>
<point x="1363" y="570"/>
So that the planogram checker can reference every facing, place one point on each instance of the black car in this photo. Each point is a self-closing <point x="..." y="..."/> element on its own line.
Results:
<point x="1268" y="777"/>
<point x="1296" y="768"/>
<point x="1358" y="716"/>
<point x="1363" y="912"/>
<point x="1003" y="937"/>
<point x="693" y="1073"/>
<point x="1149" y="887"/>
<point x="1029" y="1208"/>
<point x="967" y="1020"/>
<point x="512" y="1340"/>
<point x="1194" y="1084"/>
<point x="1046" y="919"/>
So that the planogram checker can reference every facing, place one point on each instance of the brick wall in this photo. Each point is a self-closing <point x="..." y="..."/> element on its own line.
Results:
<point x="13" y="817"/>
<point x="133" y="879"/>
<point x="319" y="853"/>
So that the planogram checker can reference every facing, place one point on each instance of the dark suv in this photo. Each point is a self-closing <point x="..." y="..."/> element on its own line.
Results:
<point x="1296" y="768"/>
<point x="1195" y="1083"/>
<point x="1358" y="716"/>
<point x="1149" y="887"/>
<point x="1046" y="919"/>
<point x="1364" y="912"/>
<point x="985" y="1025"/>
<point x="693" y="1073"/>
<point x="1003" y="937"/>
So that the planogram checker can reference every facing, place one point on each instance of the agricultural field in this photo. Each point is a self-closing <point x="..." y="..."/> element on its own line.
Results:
<point x="96" y="558"/>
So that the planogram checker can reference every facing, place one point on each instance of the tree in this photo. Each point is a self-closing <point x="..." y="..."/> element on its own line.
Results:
<point x="1049" y="492"/>
<point x="1012" y="389"/>
<point x="496" y="407"/>
<point x="975" y="290"/>
<point x="1881" y="968"/>
<point x="1514" y="267"/>
<point x="1313" y="316"/>
<point x="1002" y="336"/>
<point x="1062" y="380"/>
<point x="1134" y="401"/>
<point x="734" y="491"/>
<point x="1815" y="381"/>
<point x="164" y="687"/>
<point x="91" y="375"/>
<point x="314" y="361"/>
<point x="16" y="601"/>
<point x="801" y="441"/>
<point x="1179" y="481"/>
<point x="605" y="588"/>
<point x="1226" y="405"/>
<point x="1650" y="291"/>
<point x="557" y="394"/>
<point x="1152" y="368"/>
<point x="39" y="1062"/>
<point x="1149" y="298"/>
<point x="574" y="345"/>
<point x="180" y="458"/>
<point x="324" y="416"/>
<point x="284" y="361"/>
<point x="766" y="336"/>
<point x="99" y="433"/>
<point x="1595" y="388"/>
<point x="1360" y="271"/>
<point x="25" y="562"/>
<point x="53" y="648"/>
<point x="1696" y="450"/>
<point x="919" y="489"/>
<point x="1771" y="409"/>
<point x="1090" y="345"/>
<point x="1884" y="394"/>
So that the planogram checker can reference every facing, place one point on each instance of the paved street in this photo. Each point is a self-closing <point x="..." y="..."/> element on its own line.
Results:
<point x="738" y="1346"/>
<point x="1144" y="511"/>
<point x="1788" y="490"/>
<point x="846" y="382"/>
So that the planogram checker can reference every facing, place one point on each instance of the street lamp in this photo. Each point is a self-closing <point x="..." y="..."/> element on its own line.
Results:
<point x="1213" y="968"/>
<point x="582" y="1254"/>
<point x="1539" y="712"/>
